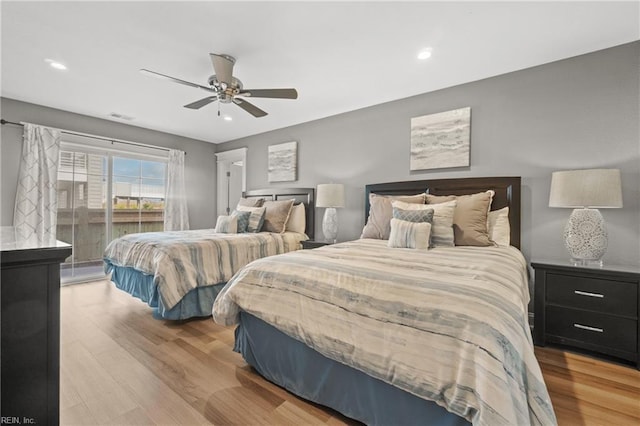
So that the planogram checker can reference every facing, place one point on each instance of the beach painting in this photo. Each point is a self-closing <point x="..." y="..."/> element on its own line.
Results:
<point x="283" y="160"/>
<point x="441" y="140"/>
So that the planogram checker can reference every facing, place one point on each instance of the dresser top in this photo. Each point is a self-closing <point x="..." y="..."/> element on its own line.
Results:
<point x="568" y="266"/>
<point x="12" y="239"/>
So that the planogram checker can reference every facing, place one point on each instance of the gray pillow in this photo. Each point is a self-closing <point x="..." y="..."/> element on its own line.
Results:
<point x="414" y="216"/>
<point x="243" y="220"/>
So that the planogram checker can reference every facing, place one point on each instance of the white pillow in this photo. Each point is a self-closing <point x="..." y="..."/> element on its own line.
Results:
<point x="227" y="224"/>
<point x="442" y="228"/>
<point x="413" y="235"/>
<point x="499" y="227"/>
<point x="297" y="219"/>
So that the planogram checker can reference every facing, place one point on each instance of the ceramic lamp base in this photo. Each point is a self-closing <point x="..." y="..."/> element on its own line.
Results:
<point x="330" y="224"/>
<point x="585" y="236"/>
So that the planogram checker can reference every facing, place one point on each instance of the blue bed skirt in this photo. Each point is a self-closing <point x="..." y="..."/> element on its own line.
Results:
<point x="312" y="376"/>
<point x="197" y="303"/>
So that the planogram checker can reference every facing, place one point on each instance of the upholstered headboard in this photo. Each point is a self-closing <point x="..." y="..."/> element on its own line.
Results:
<point x="300" y="195"/>
<point x="507" y="193"/>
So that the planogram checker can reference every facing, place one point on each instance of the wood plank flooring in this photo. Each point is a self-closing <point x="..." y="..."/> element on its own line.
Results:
<point x="119" y="366"/>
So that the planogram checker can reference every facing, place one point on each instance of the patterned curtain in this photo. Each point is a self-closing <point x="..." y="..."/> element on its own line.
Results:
<point x="176" y="215"/>
<point x="35" y="214"/>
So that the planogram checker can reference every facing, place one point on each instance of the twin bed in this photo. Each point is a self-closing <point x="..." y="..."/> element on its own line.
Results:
<point x="180" y="273"/>
<point x="396" y="336"/>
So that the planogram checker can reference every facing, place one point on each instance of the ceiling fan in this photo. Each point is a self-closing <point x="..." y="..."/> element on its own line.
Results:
<point x="226" y="89"/>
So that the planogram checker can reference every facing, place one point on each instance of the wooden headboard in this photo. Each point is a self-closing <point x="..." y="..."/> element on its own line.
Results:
<point x="305" y="196"/>
<point x="507" y="191"/>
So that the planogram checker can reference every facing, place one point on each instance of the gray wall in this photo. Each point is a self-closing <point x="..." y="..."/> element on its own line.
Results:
<point x="581" y="112"/>
<point x="200" y="162"/>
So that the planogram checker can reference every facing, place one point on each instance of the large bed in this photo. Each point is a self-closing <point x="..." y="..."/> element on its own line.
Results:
<point x="180" y="273"/>
<point x="398" y="336"/>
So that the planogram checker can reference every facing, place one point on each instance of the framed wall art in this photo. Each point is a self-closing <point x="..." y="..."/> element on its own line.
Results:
<point x="283" y="160"/>
<point x="441" y="140"/>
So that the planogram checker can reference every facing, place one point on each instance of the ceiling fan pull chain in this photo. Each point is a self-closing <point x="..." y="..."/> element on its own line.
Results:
<point x="218" y="109"/>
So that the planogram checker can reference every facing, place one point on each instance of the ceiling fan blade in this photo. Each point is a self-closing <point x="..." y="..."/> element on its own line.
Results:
<point x="202" y="102"/>
<point x="223" y="66"/>
<point x="176" y="80"/>
<point x="249" y="107"/>
<point x="270" y="93"/>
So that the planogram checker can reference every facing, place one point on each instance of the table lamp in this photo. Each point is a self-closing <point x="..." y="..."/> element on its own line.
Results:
<point x="586" y="191"/>
<point x="330" y="196"/>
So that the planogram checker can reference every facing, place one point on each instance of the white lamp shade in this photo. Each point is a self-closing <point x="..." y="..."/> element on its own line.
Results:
<point x="596" y="188"/>
<point x="330" y="195"/>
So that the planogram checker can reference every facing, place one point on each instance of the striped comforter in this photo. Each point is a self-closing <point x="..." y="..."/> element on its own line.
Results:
<point x="447" y="324"/>
<point x="183" y="260"/>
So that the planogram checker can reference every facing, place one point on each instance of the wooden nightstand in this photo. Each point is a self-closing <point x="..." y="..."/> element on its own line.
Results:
<point x="589" y="308"/>
<point x="311" y="244"/>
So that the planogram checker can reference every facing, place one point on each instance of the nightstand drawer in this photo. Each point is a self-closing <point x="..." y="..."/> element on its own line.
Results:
<point x="593" y="328"/>
<point x="602" y="295"/>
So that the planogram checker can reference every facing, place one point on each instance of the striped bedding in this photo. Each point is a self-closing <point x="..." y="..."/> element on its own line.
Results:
<point x="180" y="261"/>
<point x="448" y="324"/>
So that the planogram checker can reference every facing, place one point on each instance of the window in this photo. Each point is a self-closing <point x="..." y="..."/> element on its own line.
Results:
<point x="102" y="195"/>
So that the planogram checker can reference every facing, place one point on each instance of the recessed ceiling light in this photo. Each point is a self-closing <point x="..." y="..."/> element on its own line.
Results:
<point x="227" y="118"/>
<point x="424" y="54"/>
<point x="55" y="64"/>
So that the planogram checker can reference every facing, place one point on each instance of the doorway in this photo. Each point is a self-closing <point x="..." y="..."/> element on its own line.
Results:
<point x="231" y="179"/>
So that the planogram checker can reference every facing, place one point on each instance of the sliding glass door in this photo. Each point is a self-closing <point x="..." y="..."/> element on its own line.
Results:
<point x="102" y="196"/>
<point x="82" y="212"/>
<point x="138" y="196"/>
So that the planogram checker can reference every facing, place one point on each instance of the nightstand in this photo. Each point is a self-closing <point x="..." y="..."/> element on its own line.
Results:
<point x="588" y="308"/>
<point x="311" y="244"/>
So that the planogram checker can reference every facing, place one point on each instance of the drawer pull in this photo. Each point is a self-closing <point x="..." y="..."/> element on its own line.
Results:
<point x="586" y="293"/>
<point x="586" y="327"/>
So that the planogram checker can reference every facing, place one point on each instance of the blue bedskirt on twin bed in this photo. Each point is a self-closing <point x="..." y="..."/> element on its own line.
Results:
<point x="312" y="376"/>
<point x="197" y="303"/>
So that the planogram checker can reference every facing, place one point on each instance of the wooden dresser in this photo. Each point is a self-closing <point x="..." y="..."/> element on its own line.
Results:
<point x="30" y="304"/>
<point x="590" y="308"/>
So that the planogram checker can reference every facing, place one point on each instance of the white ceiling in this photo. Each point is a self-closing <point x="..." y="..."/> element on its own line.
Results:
<point x="340" y="56"/>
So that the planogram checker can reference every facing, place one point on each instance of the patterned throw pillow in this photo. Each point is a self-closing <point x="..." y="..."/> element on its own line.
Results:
<point x="422" y="215"/>
<point x="243" y="220"/>
<point x="413" y="235"/>
<point x="227" y="224"/>
<point x="442" y="229"/>
<point x="256" y="219"/>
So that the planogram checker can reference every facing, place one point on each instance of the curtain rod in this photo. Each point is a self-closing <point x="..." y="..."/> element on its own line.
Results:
<point x="87" y="135"/>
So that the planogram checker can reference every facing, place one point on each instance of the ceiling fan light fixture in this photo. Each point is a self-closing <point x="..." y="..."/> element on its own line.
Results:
<point x="227" y="118"/>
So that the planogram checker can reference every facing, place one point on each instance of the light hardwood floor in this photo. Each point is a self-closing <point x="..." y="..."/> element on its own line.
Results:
<point x="120" y="366"/>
